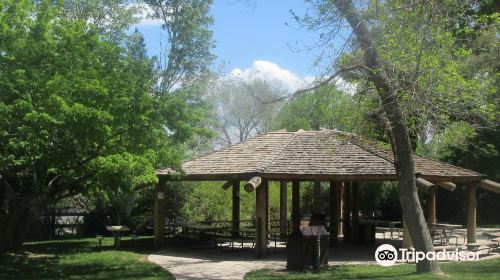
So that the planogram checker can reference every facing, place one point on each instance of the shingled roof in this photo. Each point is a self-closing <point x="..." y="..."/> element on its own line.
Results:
<point x="312" y="155"/>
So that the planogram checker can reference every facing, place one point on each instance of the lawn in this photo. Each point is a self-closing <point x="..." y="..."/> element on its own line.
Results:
<point x="486" y="269"/>
<point x="80" y="259"/>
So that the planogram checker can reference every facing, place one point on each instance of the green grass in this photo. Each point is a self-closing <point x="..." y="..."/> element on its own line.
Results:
<point x="80" y="259"/>
<point x="486" y="269"/>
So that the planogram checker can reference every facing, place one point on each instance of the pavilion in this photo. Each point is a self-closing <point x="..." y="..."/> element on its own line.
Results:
<point x="342" y="159"/>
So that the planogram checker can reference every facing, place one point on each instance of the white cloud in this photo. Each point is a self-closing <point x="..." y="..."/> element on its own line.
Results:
<point x="270" y="72"/>
<point x="289" y="81"/>
<point x="145" y="14"/>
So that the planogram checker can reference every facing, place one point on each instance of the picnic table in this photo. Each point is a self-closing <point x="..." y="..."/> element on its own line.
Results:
<point x="492" y="235"/>
<point x="117" y="231"/>
<point x="368" y="229"/>
<point x="445" y="229"/>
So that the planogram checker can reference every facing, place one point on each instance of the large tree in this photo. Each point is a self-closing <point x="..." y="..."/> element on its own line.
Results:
<point x="187" y="52"/>
<point x="242" y="108"/>
<point x="404" y="52"/>
<point x="77" y="114"/>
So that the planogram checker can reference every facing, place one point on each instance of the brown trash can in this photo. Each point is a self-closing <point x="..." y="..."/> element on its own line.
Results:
<point x="302" y="245"/>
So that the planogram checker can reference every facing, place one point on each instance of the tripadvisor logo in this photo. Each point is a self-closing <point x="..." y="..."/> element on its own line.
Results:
<point x="387" y="255"/>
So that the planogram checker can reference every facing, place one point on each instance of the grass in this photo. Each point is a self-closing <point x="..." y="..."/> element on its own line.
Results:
<point x="81" y="259"/>
<point x="486" y="269"/>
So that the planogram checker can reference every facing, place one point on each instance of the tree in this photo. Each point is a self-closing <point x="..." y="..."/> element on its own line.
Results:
<point x="241" y="110"/>
<point x="111" y="17"/>
<point x="188" y="52"/>
<point x="77" y="114"/>
<point x="326" y="107"/>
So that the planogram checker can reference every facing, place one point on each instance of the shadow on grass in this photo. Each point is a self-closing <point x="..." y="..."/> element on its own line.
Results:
<point x="81" y="259"/>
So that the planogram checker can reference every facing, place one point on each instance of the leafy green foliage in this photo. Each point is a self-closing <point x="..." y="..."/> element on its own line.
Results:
<point x="328" y="108"/>
<point x="79" y="114"/>
<point x="188" y="53"/>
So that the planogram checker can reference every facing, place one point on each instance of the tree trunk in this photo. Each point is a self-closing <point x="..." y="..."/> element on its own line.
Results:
<point x="401" y="145"/>
<point x="18" y="222"/>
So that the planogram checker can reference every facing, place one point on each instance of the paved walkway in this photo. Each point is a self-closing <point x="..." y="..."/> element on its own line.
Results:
<point x="207" y="264"/>
<point x="211" y="265"/>
<point x="197" y="264"/>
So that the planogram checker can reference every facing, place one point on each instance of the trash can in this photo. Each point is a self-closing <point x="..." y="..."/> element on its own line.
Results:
<point x="308" y="247"/>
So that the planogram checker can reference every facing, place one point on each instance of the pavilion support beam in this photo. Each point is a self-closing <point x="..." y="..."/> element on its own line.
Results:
<point x="159" y="214"/>
<point x="295" y="205"/>
<point x="253" y="183"/>
<point x="471" y="214"/>
<point x="236" y="205"/>
<point x="424" y="185"/>
<point x="268" y="214"/>
<point x="335" y="211"/>
<point x="317" y="197"/>
<point x="340" y="205"/>
<point x="355" y="213"/>
<point x="431" y="206"/>
<point x="447" y="185"/>
<point x="490" y="186"/>
<point x="283" y="209"/>
<point x="261" y="221"/>
<point x="227" y="185"/>
<point x="347" y="212"/>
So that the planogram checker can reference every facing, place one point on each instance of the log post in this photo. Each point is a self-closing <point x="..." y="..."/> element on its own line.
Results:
<point x="253" y="183"/>
<point x="355" y="234"/>
<point x="317" y="197"/>
<point x="447" y="185"/>
<point x="424" y="185"/>
<point x="471" y="214"/>
<point x="431" y="205"/>
<point x="340" y="206"/>
<point x="490" y="186"/>
<point x="347" y="212"/>
<point x="227" y="185"/>
<point x="261" y="221"/>
<point x="295" y="205"/>
<point x="159" y="215"/>
<point x="236" y="205"/>
<point x="268" y="214"/>
<point x="283" y="209"/>
<point x="335" y="212"/>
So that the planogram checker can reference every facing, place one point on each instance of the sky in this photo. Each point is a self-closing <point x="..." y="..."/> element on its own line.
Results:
<point x="254" y="41"/>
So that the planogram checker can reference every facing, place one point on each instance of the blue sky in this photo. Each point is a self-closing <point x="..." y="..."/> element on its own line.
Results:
<point x="253" y="37"/>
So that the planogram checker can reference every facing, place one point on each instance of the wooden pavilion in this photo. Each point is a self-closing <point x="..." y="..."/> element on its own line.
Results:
<point x="342" y="159"/>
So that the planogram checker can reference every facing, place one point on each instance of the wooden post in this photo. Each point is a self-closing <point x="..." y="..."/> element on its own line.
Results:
<point x="407" y="243"/>
<point x="295" y="205"/>
<point x="261" y="220"/>
<point x="283" y="209"/>
<point x="471" y="214"/>
<point x="431" y="205"/>
<point x="340" y="205"/>
<point x="355" y="234"/>
<point x="236" y="205"/>
<point x="268" y="214"/>
<point x="317" y="197"/>
<point x="159" y="214"/>
<point x="335" y="212"/>
<point x="347" y="212"/>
